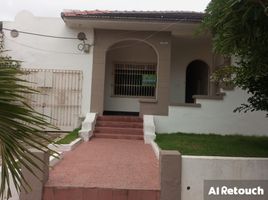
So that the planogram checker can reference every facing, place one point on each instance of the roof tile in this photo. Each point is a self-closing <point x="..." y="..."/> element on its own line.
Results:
<point x="134" y="15"/>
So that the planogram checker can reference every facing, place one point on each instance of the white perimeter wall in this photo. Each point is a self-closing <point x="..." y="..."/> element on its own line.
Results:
<point x="50" y="53"/>
<point x="197" y="169"/>
<point x="214" y="116"/>
<point x="15" y="195"/>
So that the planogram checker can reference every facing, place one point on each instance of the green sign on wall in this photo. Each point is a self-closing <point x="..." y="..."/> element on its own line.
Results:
<point x="148" y="80"/>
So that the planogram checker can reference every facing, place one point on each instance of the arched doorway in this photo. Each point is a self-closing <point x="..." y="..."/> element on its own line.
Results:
<point x="196" y="80"/>
<point x="130" y="75"/>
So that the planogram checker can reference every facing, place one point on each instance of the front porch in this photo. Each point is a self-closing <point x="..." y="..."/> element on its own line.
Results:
<point x="133" y="48"/>
<point x="179" y="68"/>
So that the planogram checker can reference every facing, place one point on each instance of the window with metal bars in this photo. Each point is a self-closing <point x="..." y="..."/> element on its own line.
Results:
<point x="134" y="80"/>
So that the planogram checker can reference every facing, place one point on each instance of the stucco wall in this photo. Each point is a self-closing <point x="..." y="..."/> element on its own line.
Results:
<point x="196" y="169"/>
<point x="161" y="43"/>
<point x="214" y="116"/>
<point x="183" y="52"/>
<point x="125" y="52"/>
<point x="50" y="53"/>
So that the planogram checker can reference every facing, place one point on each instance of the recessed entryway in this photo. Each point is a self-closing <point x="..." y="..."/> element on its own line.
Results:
<point x="196" y="80"/>
<point x="130" y="75"/>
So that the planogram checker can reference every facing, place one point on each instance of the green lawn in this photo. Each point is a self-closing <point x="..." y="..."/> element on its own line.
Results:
<point x="214" y="145"/>
<point x="70" y="137"/>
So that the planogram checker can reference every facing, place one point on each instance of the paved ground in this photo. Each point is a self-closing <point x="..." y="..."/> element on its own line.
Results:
<point x="108" y="163"/>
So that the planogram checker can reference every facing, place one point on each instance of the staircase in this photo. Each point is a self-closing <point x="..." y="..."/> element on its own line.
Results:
<point x="119" y="127"/>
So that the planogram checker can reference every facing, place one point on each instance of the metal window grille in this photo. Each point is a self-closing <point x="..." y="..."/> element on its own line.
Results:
<point x="134" y="80"/>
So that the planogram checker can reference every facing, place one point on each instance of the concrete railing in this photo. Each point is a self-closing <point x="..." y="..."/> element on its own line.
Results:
<point x="15" y="195"/>
<point x="148" y="129"/>
<point x="65" y="147"/>
<point x="196" y="169"/>
<point x="88" y="126"/>
<point x="36" y="182"/>
<point x="183" y="177"/>
<point x="170" y="175"/>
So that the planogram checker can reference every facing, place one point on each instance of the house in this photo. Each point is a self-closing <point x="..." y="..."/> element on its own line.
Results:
<point x="129" y="63"/>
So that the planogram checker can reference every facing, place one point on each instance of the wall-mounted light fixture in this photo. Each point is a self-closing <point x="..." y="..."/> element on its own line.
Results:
<point x="81" y="36"/>
<point x="14" y="33"/>
<point x="85" y="47"/>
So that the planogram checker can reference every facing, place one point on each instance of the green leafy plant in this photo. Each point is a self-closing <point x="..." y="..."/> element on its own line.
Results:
<point x="224" y="76"/>
<point x="69" y="137"/>
<point x="21" y="127"/>
<point x="239" y="28"/>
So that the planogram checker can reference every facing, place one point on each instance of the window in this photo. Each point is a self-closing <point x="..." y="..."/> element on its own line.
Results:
<point x="134" y="80"/>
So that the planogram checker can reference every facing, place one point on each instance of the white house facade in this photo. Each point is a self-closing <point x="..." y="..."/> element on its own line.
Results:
<point x="128" y="63"/>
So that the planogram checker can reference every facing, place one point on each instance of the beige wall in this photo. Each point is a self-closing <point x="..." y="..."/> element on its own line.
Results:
<point x="131" y="51"/>
<point x="161" y="42"/>
<point x="183" y="52"/>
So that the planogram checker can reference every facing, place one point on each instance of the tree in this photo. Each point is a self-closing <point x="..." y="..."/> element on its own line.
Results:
<point x="21" y="127"/>
<point x="239" y="28"/>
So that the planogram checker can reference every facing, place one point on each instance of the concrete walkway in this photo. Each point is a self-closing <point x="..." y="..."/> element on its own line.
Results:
<point x="115" y="164"/>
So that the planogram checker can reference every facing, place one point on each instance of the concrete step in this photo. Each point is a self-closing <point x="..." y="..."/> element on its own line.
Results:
<point x="119" y="118"/>
<point x="81" y="193"/>
<point x="119" y="130"/>
<point x="119" y="124"/>
<point x="118" y="136"/>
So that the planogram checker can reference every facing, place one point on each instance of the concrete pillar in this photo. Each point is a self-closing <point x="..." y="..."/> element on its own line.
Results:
<point x="170" y="175"/>
<point x="35" y="183"/>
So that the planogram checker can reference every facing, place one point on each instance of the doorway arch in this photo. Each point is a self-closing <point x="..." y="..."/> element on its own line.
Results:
<point x="197" y="79"/>
<point x="128" y="63"/>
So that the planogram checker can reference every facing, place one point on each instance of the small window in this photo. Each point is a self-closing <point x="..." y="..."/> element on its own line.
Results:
<point x="134" y="80"/>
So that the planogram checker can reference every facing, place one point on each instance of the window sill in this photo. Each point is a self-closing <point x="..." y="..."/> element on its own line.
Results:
<point x="148" y="101"/>
<point x="207" y="97"/>
<point x="197" y="105"/>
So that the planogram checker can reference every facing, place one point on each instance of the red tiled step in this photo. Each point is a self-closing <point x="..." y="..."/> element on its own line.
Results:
<point x="119" y="127"/>
<point x="119" y="130"/>
<point x="69" y="193"/>
<point x="119" y="124"/>
<point x="119" y="136"/>
<point x="120" y="118"/>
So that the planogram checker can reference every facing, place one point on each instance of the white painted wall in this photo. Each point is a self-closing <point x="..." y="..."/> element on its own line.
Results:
<point x="196" y="169"/>
<point x="183" y="52"/>
<point x="214" y="116"/>
<point x="15" y="195"/>
<point x="50" y="53"/>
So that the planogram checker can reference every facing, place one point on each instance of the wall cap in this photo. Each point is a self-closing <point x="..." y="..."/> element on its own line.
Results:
<point x="223" y="158"/>
<point x="197" y="105"/>
<point x="208" y="97"/>
<point x="170" y="152"/>
<point x="148" y="101"/>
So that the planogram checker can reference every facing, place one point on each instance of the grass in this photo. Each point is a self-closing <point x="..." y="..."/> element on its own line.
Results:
<point x="214" y="145"/>
<point x="69" y="138"/>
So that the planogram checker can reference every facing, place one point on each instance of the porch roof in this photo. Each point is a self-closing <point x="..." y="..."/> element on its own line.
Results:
<point x="157" y="16"/>
<point x="179" y="23"/>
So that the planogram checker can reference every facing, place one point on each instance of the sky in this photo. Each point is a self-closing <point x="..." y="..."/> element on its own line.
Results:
<point x="53" y="8"/>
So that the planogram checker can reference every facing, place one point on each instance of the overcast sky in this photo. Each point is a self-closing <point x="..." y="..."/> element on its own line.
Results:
<point x="9" y="8"/>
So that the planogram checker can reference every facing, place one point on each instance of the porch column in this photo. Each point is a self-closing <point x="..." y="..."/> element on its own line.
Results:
<point x="98" y="79"/>
<point x="162" y="43"/>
